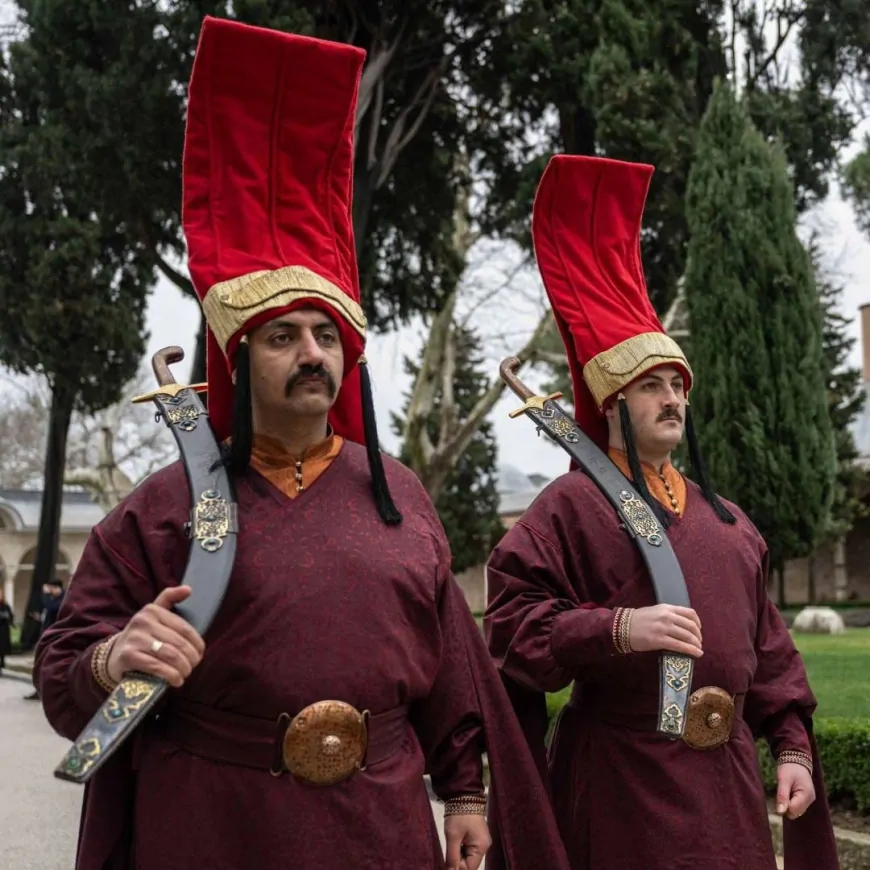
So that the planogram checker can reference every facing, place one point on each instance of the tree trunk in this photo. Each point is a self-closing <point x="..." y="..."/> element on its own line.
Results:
<point x="811" y="579"/>
<point x="62" y="400"/>
<point x="363" y="195"/>
<point x="841" y="573"/>
<point x="577" y="129"/>
<point x="780" y="578"/>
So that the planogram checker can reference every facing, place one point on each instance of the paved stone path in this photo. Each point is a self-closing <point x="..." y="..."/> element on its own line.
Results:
<point x="40" y="817"/>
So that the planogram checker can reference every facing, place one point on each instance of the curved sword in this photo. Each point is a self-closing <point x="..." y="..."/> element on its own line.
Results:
<point x="213" y="526"/>
<point x="676" y="669"/>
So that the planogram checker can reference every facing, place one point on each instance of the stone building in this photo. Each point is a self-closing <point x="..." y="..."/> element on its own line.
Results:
<point x="19" y="525"/>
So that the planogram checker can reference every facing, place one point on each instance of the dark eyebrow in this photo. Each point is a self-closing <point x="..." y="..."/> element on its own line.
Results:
<point x="286" y="324"/>
<point x="658" y="379"/>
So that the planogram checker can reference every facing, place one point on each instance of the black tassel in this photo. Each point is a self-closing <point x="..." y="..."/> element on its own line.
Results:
<point x="637" y="477"/>
<point x="237" y="456"/>
<point x="383" y="500"/>
<point x="702" y="475"/>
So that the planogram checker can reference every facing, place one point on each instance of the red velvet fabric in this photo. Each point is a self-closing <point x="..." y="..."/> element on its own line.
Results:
<point x="586" y="227"/>
<point x="268" y="180"/>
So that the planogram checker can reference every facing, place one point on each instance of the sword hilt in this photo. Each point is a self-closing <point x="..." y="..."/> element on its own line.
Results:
<point x="160" y="363"/>
<point x="508" y="371"/>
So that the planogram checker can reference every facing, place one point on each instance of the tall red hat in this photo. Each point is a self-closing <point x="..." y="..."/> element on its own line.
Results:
<point x="268" y="187"/>
<point x="586" y="226"/>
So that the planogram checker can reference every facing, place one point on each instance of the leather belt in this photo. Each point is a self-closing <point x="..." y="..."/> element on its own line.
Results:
<point x="322" y="745"/>
<point x="710" y="717"/>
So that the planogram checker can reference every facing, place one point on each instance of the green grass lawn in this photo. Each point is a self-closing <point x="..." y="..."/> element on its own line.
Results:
<point x="839" y="672"/>
<point x="838" y="669"/>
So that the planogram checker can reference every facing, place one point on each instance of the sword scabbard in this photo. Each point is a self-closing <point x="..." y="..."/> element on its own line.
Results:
<point x="639" y="521"/>
<point x="120" y="714"/>
<point x="212" y="528"/>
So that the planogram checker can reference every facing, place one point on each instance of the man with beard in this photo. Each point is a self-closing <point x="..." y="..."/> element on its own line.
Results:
<point x="570" y="598"/>
<point x="341" y="594"/>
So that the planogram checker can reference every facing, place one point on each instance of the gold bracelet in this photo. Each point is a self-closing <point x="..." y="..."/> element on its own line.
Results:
<point x="626" y="630"/>
<point x="792" y="756"/>
<point x="622" y="630"/>
<point x="469" y="805"/>
<point x="100" y="664"/>
<point x="617" y="619"/>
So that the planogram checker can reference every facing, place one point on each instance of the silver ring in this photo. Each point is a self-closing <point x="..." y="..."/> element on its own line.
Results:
<point x="155" y="646"/>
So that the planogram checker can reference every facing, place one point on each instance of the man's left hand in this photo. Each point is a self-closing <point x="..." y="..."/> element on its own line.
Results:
<point x="795" y="791"/>
<point x="467" y="841"/>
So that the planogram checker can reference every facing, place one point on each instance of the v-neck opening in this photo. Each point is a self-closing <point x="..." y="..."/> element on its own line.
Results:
<point x="321" y="483"/>
<point x="677" y="521"/>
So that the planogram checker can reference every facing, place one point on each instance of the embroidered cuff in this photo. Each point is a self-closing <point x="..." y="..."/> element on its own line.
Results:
<point x="793" y="757"/>
<point x="100" y="664"/>
<point x="469" y="805"/>
<point x="622" y="629"/>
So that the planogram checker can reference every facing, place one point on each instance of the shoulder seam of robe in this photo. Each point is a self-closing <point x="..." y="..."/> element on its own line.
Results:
<point x="540" y="535"/>
<point x="116" y="555"/>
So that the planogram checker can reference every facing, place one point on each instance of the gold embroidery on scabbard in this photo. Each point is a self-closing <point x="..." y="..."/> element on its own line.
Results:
<point x="184" y="418"/>
<point x="229" y="305"/>
<point x="677" y="673"/>
<point x="82" y="756"/>
<point x="641" y="518"/>
<point x="672" y="719"/>
<point x="213" y="520"/>
<point x="127" y="698"/>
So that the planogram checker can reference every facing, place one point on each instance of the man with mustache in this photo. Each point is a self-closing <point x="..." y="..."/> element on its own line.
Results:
<point x="571" y="602"/>
<point x="341" y="611"/>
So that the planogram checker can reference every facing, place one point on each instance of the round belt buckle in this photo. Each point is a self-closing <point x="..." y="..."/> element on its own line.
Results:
<point x="709" y="718"/>
<point x="326" y="743"/>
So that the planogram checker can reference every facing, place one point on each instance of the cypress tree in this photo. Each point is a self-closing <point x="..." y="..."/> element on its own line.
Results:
<point x="845" y="396"/>
<point x="761" y="399"/>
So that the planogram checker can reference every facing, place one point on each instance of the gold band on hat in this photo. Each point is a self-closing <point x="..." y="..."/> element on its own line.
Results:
<point x="229" y="305"/>
<point x="611" y="370"/>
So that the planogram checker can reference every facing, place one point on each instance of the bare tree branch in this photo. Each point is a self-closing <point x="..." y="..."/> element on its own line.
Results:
<point x="500" y="288"/>
<point x="417" y="441"/>
<point x="373" y="75"/>
<point x="447" y="454"/>
<point x="449" y="411"/>
<point x="551" y="358"/>
<point x="793" y="17"/>
<point x="735" y="14"/>
<point x="106" y="452"/>
<point x="397" y="139"/>
<point x="181" y="281"/>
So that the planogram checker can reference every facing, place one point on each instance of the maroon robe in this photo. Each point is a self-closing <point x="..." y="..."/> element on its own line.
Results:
<point x="325" y="602"/>
<point x="625" y="797"/>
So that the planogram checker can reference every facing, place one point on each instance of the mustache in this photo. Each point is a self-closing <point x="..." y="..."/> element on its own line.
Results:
<point x="669" y="414"/>
<point x="317" y="372"/>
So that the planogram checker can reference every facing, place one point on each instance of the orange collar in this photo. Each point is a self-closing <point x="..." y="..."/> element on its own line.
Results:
<point x="270" y="452"/>
<point x="667" y="486"/>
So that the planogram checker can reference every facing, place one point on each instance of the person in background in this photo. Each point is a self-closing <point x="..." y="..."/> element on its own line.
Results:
<point x="7" y="620"/>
